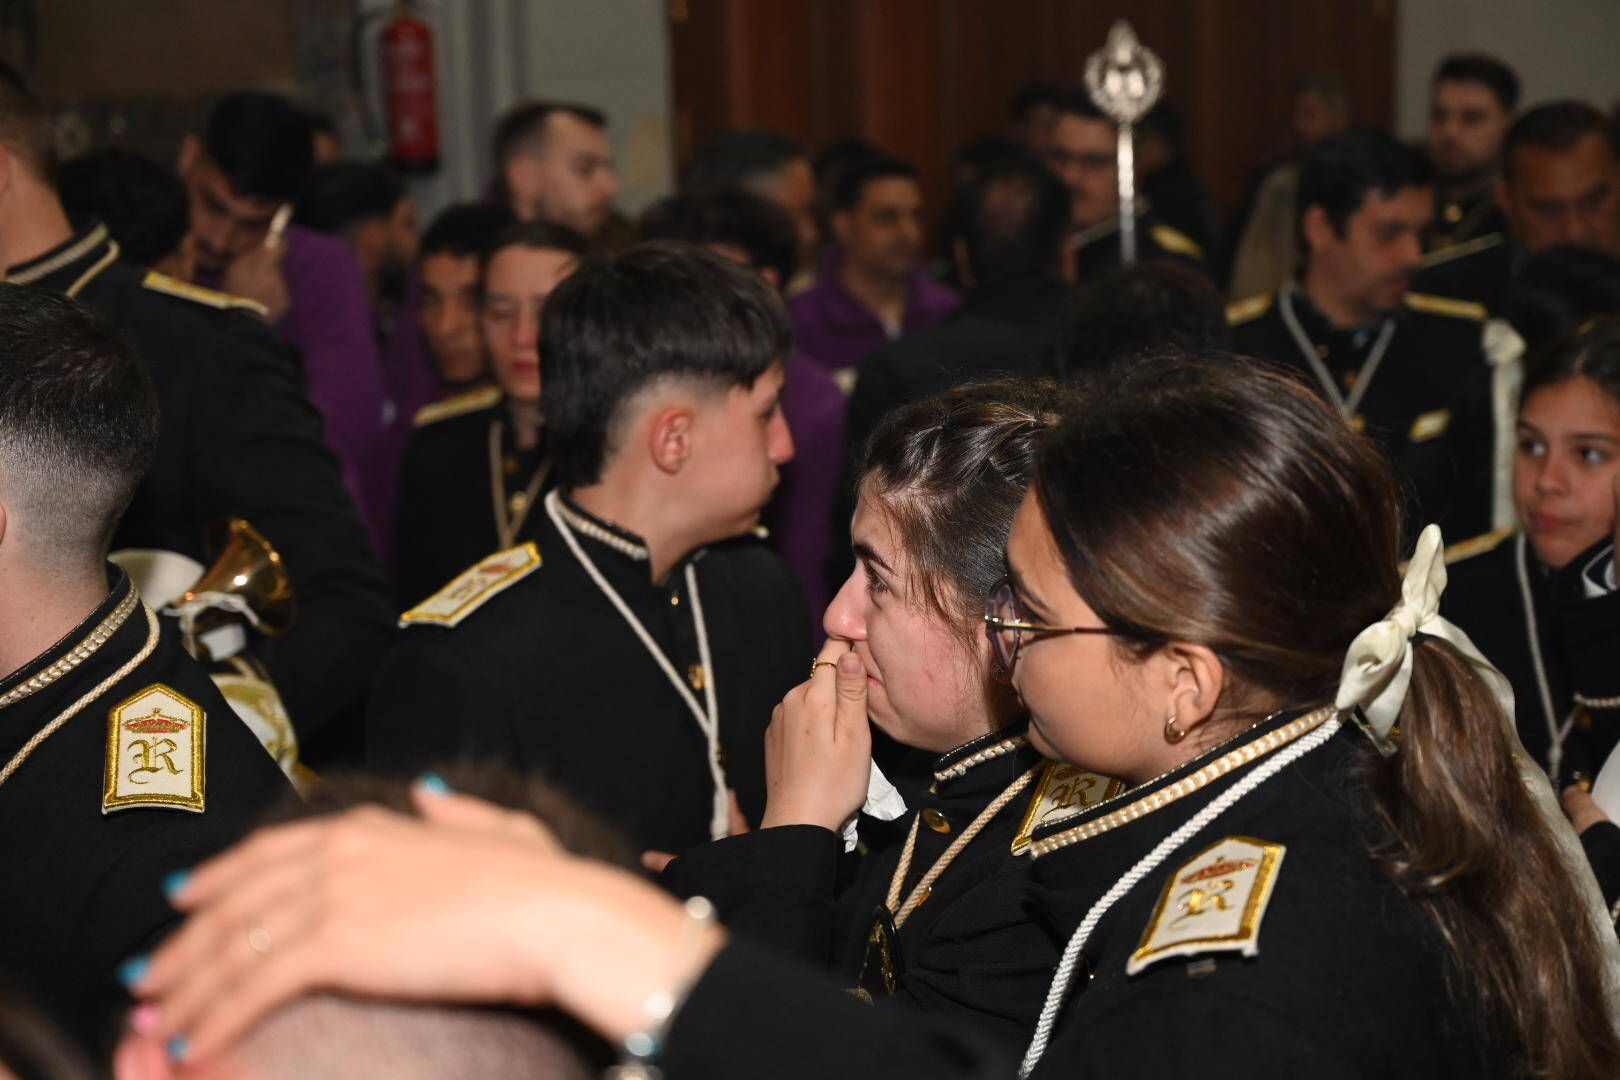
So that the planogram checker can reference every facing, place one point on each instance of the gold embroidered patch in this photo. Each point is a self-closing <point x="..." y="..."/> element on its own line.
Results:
<point x="1213" y="903"/>
<point x="474" y="586"/>
<point x="1063" y="792"/>
<point x="156" y="742"/>
<point x="1249" y="309"/>
<point x="1430" y="425"/>
<point x="185" y="290"/>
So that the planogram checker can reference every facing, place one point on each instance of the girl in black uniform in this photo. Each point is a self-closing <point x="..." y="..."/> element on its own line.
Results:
<point x="1333" y="861"/>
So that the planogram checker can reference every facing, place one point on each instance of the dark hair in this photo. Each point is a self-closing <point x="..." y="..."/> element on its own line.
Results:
<point x="951" y="470"/>
<point x="850" y="186"/>
<point x="1593" y="352"/>
<point x="31" y="1047"/>
<point x="1075" y="101"/>
<point x="522" y="128"/>
<point x="737" y="159"/>
<point x="1135" y="310"/>
<point x="1339" y="172"/>
<point x="78" y="419"/>
<point x="536" y="236"/>
<point x="143" y="204"/>
<point x="758" y="226"/>
<point x="1011" y="216"/>
<point x="1032" y="96"/>
<point x="464" y="229"/>
<point x="1210" y="499"/>
<point x="25" y="124"/>
<point x="1488" y="71"/>
<point x="1556" y="127"/>
<point x="833" y="158"/>
<point x="342" y="194"/>
<point x="1556" y="291"/>
<point x="658" y="310"/>
<point x="262" y="143"/>
<point x="1327" y="85"/>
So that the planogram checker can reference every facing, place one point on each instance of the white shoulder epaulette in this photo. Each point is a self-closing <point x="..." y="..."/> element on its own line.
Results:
<point x="1213" y="902"/>
<point x="1478" y="545"/>
<point x="473" y="587"/>
<point x="1249" y="308"/>
<point x="197" y="294"/>
<point x="1447" y="306"/>
<point x="457" y="405"/>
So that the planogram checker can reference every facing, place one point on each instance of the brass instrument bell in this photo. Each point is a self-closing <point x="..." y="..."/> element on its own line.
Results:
<point x="246" y="566"/>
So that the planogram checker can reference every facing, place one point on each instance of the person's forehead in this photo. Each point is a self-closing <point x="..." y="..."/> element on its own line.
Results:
<point x="1072" y="130"/>
<point x="1586" y="161"/>
<point x="567" y="134"/>
<point x="1464" y="93"/>
<point x="213" y="179"/>
<point x="448" y="267"/>
<point x="521" y="269"/>
<point x="1575" y="404"/>
<point x="886" y="191"/>
<point x="1401" y="204"/>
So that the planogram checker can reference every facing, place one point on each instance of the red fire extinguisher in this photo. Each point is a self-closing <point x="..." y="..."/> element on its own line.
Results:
<point x="406" y="44"/>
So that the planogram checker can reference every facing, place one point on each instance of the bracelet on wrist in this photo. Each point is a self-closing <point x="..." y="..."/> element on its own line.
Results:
<point x="639" y="1050"/>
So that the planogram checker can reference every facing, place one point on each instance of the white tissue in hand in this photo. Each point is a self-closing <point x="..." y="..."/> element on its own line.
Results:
<point x="883" y="802"/>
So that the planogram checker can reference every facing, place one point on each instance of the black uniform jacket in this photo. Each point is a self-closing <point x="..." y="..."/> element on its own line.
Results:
<point x="1428" y="403"/>
<point x="1097" y="249"/>
<point x="1479" y="270"/>
<point x="447" y="494"/>
<point x="547" y="677"/>
<point x="240" y="438"/>
<point x="81" y="890"/>
<point x="1332" y="974"/>
<point x="1470" y="217"/>
<point x="969" y="951"/>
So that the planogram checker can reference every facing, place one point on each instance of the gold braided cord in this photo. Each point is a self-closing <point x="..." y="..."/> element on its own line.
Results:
<point x="75" y="656"/>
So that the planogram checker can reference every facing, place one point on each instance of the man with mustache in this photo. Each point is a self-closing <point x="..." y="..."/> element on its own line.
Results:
<point x="1407" y="368"/>
<point x="1471" y="108"/>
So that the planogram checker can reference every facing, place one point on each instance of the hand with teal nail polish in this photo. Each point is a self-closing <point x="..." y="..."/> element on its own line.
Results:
<point x="131" y="971"/>
<point x="176" y="881"/>
<point x="179" y="1046"/>
<point x="433" y="784"/>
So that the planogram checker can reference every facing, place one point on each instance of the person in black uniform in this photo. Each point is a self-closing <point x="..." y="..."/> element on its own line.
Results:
<point x="1408" y="368"/>
<point x="639" y="642"/>
<point x="1470" y="108"/>
<point x="939" y="488"/>
<point x="239" y="437"/>
<point x="1560" y="186"/>
<point x="476" y="468"/>
<point x="1306" y="879"/>
<point x="105" y="787"/>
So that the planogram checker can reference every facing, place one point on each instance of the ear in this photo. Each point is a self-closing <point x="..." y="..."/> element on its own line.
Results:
<point x="140" y="1057"/>
<point x="190" y="152"/>
<point x="1196" y="677"/>
<point x="959" y="254"/>
<point x="1318" y="229"/>
<point x="669" y="437"/>
<point x="772" y="278"/>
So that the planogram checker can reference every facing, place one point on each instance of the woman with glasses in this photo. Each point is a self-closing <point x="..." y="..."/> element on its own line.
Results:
<point x="1334" y="859"/>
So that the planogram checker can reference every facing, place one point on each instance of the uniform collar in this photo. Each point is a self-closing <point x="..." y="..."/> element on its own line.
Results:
<point x="603" y="533"/>
<point x="995" y="745"/>
<point x="76" y="646"/>
<point x="58" y="268"/>
<point x="1318" y="326"/>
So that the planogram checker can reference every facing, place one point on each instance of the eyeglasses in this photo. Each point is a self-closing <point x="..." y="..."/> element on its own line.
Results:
<point x="1004" y="622"/>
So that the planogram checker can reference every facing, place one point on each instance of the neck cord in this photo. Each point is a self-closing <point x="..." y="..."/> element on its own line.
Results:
<point x="920" y="893"/>
<point x="510" y="516"/>
<point x="708" y="720"/>
<point x="1364" y="375"/>
<point x="1064" y="976"/>
<point x="1556" y="732"/>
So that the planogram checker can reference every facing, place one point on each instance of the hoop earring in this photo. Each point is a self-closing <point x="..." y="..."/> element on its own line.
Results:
<point x="1172" y="734"/>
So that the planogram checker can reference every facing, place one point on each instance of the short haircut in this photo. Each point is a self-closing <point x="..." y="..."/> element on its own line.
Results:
<point x="1557" y="291"/>
<point x="1593" y="352"/>
<point x="759" y="227"/>
<point x="1137" y="310"/>
<point x="835" y="157"/>
<point x="850" y="185"/>
<point x="622" y="323"/>
<point x="464" y="229"/>
<point x="143" y="204"/>
<point x="1488" y="71"/>
<point x="25" y="124"/>
<point x="1339" y="172"/>
<point x="1327" y="85"/>
<point x="262" y="143"/>
<point x="1556" y="127"/>
<point x="343" y="194"/>
<point x="1032" y="96"/>
<point x="740" y="159"/>
<point x="78" y="424"/>
<point x="1075" y="101"/>
<point x="1012" y="217"/>
<point x="535" y="236"/>
<point x="522" y="128"/>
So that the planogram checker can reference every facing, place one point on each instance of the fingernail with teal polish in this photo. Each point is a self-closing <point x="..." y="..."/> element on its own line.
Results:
<point x="175" y="882"/>
<point x="179" y="1046"/>
<point x="434" y="784"/>
<point x="133" y="970"/>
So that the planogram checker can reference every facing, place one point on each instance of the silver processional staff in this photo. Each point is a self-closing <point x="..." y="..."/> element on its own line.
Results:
<point x="1124" y="79"/>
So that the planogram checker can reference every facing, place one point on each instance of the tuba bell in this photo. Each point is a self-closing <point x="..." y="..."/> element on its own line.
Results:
<point x="248" y="580"/>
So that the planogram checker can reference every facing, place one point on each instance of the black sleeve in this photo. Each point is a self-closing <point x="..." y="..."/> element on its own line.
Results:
<point x="755" y="1014"/>
<point x="422" y="704"/>
<point x="771" y="885"/>
<point x="1591" y="628"/>
<point x="416" y="528"/>
<point x="261" y="456"/>
<point x="1601" y="842"/>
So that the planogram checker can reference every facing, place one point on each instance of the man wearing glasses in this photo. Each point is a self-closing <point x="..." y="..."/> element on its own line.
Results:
<point x="476" y="468"/>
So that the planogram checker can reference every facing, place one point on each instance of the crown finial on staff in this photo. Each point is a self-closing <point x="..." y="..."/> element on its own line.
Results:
<point x="1124" y="79"/>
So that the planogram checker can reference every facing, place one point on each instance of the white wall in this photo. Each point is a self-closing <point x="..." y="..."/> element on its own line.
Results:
<point x="1560" y="48"/>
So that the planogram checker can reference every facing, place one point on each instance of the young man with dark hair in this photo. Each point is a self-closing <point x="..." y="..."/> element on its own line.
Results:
<point x="1471" y="107"/>
<point x="448" y="262"/>
<point x="142" y="203"/>
<point x="766" y="164"/>
<point x="243" y="173"/>
<point x="634" y="651"/>
<point x="1560" y="185"/>
<point x="1408" y="368"/>
<point x="555" y="164"/>
<point x="368" y="207"/>
<point x="476" y="464"/>
<point x="1031" y="114"/>
<point x="238" y="439"/>
<point x="104" y="784"/>
<point x="1084" y="155"/>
